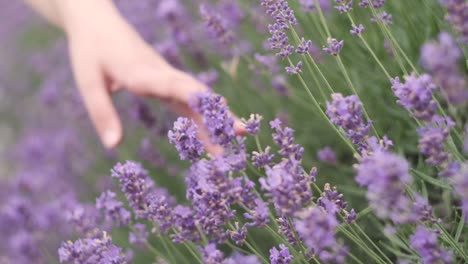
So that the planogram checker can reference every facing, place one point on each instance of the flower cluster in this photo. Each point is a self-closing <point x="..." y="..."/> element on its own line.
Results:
<point x="184" y="138"/>
<point x="346" y="113"/>
<point x="432" y="138"/>
<point x="317" y="229"/>
<point x="440" y="58"/>
<point x="216" y="118"/>
<point x="95" y="249"/>
<point x="333" y="46"/>
<point x="424" y="241"/>
<point x="386" y="175"/>
<point x="457" y="16"/>
<point x="415" y="95"/>
<point x="284" y="18"/>
<point x="281" y="256"/>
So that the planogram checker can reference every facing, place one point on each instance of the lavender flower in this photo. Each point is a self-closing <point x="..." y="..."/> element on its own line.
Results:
<point x="113" y="209"/>
<point x="415" y="94"/>
<point x="184" y="138"/>
<point x="216" y="118"/>
<point x="309" y="5"/>
<point x="460" y="184"/>
<point x="385" y="17"/>
<point x="239" y="234"/>
<point x="331" y="200"/>
<point x="375" y="3"/>
<point x="356" y="30"/>
<point x="317" y="229"/>
<point x="139" y="235"/>
<point x="281" y="256"/>
<point x="211" y="255"/>
<point x="238" y="258"/>
<point x="216" y="25"/>
<point x="96" y="249"/>
<point x="287" y="230"/>
<point x="146" y="201"/>
<point x="252" y="125"/>
<point x="440" y="58"/>
<point x="346" y="113"/>
<point x="432" y="138"/>
<point x="294" y="69"/>
<point x="344" y="6"/>
<point x="424" y="241"/>
<point x="209" y="190"/>
<point x="304" y="46"/>
<point x="183" y="221"/>
<point x="327" y="155"/>
<point x="284" y="138"/>
<point x="288" y="186"/>
<point x="458" y="15"/>
<point x="262" y="159"/>
<point x="284" y="18"/>
<point x="259" y="215"/>
<point x="386" y="175"/>
<point x="334" y="46"/>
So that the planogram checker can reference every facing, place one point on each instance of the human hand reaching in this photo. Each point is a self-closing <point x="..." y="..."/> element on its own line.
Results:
<point x="108" y="55"/>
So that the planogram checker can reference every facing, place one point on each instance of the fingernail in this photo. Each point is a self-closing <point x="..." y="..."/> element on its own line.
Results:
<point x="111" y="138"/>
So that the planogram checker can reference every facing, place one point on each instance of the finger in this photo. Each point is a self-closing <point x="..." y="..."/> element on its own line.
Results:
<point x="98" y="102"/>
<point x="202" y="132"/>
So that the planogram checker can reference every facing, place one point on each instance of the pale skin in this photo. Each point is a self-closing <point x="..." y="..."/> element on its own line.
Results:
<point x="108" y="55"/>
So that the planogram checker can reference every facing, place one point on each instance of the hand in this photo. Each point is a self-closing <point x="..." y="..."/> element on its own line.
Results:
<point x="108" y="55"/>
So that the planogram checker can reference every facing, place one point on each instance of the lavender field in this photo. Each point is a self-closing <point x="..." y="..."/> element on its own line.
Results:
<point x="353" y="146"/>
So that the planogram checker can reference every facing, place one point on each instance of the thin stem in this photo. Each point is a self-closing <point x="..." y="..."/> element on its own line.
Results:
<point x="371" y="242"/>
<point x="452" y="242"/>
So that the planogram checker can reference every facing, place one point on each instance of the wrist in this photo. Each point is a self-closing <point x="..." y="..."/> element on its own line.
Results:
<point x="84" y="15"/>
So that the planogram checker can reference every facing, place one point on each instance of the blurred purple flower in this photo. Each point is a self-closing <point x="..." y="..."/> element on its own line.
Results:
<point x="415" y="94"/>
<point x="258" y="215"/>
<point x="424" y="241"/>
<point x="262" y="159"/>
<point x="211" y="255"/>
<point x="95" y="249"/>
<point x="327" y="155"/>
<point x="344" y="6"/>
<point x="458" y="15"/>
<point x="113" y="209"/>
<point x="333" y="46"/>
<point x="294" y="69"/>
<point x="386" y="175"/>
<point x="432" y="138"/>
<point x="440" y="58"/>
<point x="356" y="30"/>
<point x="139" y="235"/>
<point x="252" y="125"/>
<point x="460" y="184"/>
<point x="281" y="256"/>
<point x="317" y="229"/>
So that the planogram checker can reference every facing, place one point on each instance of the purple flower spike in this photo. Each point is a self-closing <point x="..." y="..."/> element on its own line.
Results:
<point x="346" y="113"/>
<point x="386" y="175"/>
<point x="96" y="249"/>
<point x="288" y="186"/>
<point x="146" y="201"/>
<point x="334" y="46"/>
<point x="239" y="234"/>
<point x="262" y="159"/>
<point x="317" y="229"/>
<point x="415" y="95"/>
<point x="432" y="138"/>
<point x="344" y="6"/>
<point x="458" y="15"/>
<point x="252" y="125"/>
<point x="259" y="215"/>
<point x="211" y="255"/>
<point x="294" y="69"/>
<point x="113" y="208"/>
<point x="440" y="58"/>
<point x="216" y="25"/>
<point x="460" y="183"/>
<point x="184" y="137"/>
<point x="139" y="236"/>
<point x="304" y="46"/>
<point x="327" y="155"/>
<point x="356" y="30"/>
<point x="281" y="256"/>
<point x="424" y="241"/>
<point x="216" y="118"/>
